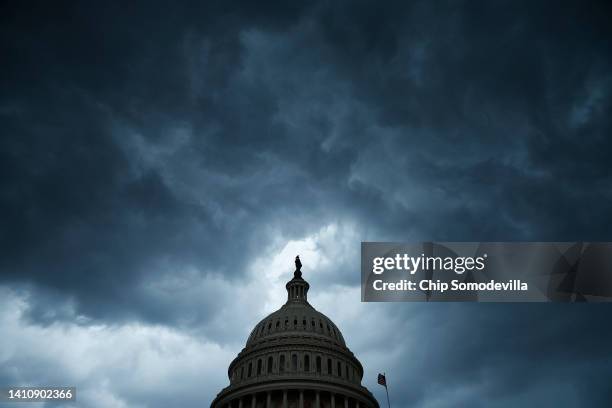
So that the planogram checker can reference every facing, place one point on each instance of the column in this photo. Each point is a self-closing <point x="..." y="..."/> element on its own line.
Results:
<point x="356" y="403"/>
<point x="332" y="398"/>
<point x="301" y="404"/>
<point x="284" y="398"/>
<point x="253" y="401"/>
<point x="345" y="401"/>
<point x="268" y="400"/>
<point x="317" y="401"/>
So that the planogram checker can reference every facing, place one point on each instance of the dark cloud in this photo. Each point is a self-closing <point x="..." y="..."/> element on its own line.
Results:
<point x="149" y="150"/>
<point x="504" y="355"/>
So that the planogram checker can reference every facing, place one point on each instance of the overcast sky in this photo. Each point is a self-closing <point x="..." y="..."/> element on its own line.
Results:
<point x="162" y="164"/>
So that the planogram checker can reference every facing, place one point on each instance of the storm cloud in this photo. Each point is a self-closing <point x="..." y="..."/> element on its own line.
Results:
<point x="161" y="165"/>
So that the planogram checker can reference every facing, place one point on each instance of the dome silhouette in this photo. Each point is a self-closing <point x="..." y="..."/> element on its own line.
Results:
<point x="296" y="357"/>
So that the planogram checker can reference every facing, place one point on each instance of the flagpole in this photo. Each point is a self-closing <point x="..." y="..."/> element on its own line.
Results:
<point x="387" y="390"/>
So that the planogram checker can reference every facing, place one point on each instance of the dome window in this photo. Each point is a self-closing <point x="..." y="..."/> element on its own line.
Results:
<point x="294" y="364"/>
<point x="281" y="364"/>
<point x="307" y="363"/>
<point x="270" y="364"/>
<point x="318" y="364"/>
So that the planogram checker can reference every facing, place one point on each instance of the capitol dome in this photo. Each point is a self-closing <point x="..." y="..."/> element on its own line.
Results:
<point x="295" y="357"/>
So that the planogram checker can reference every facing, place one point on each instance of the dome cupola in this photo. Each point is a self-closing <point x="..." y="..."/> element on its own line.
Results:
<point x="297" y="288"/>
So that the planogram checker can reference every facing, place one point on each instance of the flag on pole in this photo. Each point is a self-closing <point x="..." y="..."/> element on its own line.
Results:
<point x="382" y="380"/>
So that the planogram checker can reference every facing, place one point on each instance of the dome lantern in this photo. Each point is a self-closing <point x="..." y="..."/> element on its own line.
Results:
<point x="297" y="288"/>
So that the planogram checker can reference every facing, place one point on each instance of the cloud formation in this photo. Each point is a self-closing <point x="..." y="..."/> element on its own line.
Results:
<point x="160" y="166"/>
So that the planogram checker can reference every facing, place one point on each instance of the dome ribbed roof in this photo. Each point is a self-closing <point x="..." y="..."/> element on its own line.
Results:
<point x="296" y="318"/>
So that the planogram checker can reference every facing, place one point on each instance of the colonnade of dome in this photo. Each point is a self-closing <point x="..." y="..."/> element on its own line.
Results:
<point x="295" y="398"/>
<point x="308" y="361"/>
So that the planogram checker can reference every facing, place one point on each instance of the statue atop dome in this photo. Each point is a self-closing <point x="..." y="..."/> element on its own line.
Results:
<point x="298" y="267"/>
